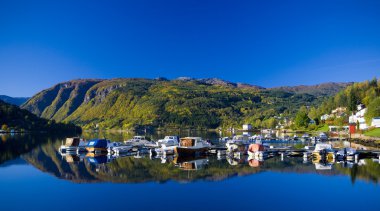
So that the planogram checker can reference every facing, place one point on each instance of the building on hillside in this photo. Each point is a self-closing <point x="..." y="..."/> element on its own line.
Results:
<point x="247" y="127"/>
<point x="358" y="117"/>
<point x="340" y="111"/>
<point x="324" y="117"/>
<point x="375" y="122"/>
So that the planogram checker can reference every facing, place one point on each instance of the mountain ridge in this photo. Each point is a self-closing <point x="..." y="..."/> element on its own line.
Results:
<point x="133" y="102"/>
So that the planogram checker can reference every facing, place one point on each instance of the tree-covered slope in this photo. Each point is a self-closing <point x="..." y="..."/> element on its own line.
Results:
<point x="12" y="117"/>
<point x="129" y="103"/>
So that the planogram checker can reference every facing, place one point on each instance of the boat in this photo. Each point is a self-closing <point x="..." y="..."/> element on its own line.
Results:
<point x="191" y="146"/>
<point x="322" y="137"/>
<point x="346" y="153"/>
<point x="97" y="145"/>
<point x="140" y="141"/>
<point x="72" y="145"/>
<point x="239" y="143"/>
<point x="286" y="138"/>
<point x="305" y="137"/>
<point x="269" y="137"/>
<point x="323" y="151"/>
<point x="168" y="141"/>
<point x="118" y="148"/>
<point x="256" y="151"/>
<point x="295" y="138"/>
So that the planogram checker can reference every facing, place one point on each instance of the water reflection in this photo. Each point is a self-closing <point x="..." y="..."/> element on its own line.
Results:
<point x="41" y="152"/>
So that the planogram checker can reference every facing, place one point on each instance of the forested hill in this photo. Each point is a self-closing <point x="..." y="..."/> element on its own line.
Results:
<point x="14" y="118"/>
<point x="183" y="102"/>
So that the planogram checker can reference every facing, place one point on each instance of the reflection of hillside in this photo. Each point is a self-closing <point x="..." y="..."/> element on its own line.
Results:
<point x="12" y="147"/>
<point x="133" y="170"/>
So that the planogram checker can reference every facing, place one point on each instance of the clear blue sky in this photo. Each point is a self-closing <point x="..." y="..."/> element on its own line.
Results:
<point x="267" y="43"/>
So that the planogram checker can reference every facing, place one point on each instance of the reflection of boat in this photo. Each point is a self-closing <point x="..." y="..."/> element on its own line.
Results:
<point x="97" y="145"/>
<point x="320" y="166"/>
<point x="96" y="159"/>
<point x="139" y="141"/>
<point x="238" y="143"/>
<point x="191" y="146"/>
<point x="191" y="164"/>
<point x="255" y="163"/>
<point x="72" y="158"/>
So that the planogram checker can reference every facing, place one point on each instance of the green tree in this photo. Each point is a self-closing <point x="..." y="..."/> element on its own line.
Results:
<point x="302" y="119"/>
<point x="373" y="110"/>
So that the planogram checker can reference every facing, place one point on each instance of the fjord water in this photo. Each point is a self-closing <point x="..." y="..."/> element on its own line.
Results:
<point x="34" y="176"/>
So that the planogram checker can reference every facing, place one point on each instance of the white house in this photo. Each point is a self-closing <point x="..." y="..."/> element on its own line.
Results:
<point x="375" y="122"/>
<point x="359" y="117"/>
<point x="325" y="117"/>
<point x="247" y="127"/>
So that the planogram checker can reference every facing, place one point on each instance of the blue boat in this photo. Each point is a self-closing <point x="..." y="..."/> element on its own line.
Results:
<point x="97" y="145"/>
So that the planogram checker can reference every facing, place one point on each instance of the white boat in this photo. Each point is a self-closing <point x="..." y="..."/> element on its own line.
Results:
<point x="73" y="145"/>
<point x="322" y="137"/>
<point x="324" y="151"/>
<point x="168" y="141"/>
<point x="305" y="137"/>
<point x="346" y="153"/>
<point x="191" y="146"/>
<point x="139" y="141"/>
<point x="239" y="143"/>
<point x="119" y="148"/>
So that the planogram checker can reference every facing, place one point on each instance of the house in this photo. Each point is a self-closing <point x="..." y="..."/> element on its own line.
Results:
<point x="247" y="127"/>
<point x="358" y="117"/>
<point x="325" y="117"/>
<point x="375" y="122"/>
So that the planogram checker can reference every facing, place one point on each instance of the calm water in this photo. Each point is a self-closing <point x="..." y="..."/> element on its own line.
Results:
<point x="34" y="176"/>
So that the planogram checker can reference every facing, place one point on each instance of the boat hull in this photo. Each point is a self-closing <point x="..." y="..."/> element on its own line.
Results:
<point x="186" y="151"/>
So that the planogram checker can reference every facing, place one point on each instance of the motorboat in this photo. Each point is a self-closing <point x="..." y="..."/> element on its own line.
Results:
<point x="140" y="141"/>
<point x="97" y="145"/>
<point x="191" y="146"/>
<point x="168" y="141"/>
<point x="295" y="137"/>
<point x="305" y="137"/>
<point x="71" y="145"/>
<point x="119" y="148"/>
<point x="322" y="137"/>
<point x="346" y="153"/>
<point x="323" y="151"/>
<point x="256" y="151"/>
<point x="269" y="137"/>
<point x="239" y="143"/>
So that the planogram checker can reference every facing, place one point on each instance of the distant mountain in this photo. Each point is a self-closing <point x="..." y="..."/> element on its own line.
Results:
<point x="14" y="100"/>
<point x="326" y="89"/>
<point x="183" y="102"/>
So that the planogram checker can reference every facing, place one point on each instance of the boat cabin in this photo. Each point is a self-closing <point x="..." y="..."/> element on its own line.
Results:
<point x="190" y="141"/>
